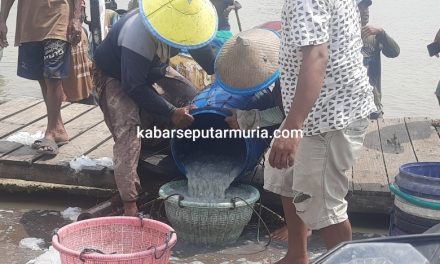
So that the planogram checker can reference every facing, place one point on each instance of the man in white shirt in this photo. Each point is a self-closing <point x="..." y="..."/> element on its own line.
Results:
<point x="327" y="95"/>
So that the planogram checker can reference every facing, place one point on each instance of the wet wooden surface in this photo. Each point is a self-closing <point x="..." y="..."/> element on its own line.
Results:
<point x="389" y="143"/>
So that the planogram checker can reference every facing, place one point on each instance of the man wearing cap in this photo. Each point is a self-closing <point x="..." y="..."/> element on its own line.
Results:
<point x="376" y="41"/>
<point x="326" y="94"/>
<point x="130" y="60"/>
<point x="45" y="31"/>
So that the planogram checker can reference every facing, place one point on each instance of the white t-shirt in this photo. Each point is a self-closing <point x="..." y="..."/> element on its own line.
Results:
<point x="346" y="94"/>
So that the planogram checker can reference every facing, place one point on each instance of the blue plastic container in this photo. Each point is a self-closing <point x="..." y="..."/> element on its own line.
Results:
<point x="417" y="190"/>
<point x="420" y="179"/>
<point x="212" y="104"/>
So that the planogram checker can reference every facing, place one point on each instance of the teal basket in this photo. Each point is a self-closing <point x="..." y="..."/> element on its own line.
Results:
<point x="213" y="224"/>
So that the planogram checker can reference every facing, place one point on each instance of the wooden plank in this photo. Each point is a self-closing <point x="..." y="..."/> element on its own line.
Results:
<point x="14" y="123"/>
<point x="396" y="145"/>
<point x="17" y="105"/>
<point x="369" y="174"/>
<point x="104" y="150"/>
<point x="78" y="126"/>
<point x="81" y="145"/>
<point x="424" y="138"/>
<point x="68" y="113"/>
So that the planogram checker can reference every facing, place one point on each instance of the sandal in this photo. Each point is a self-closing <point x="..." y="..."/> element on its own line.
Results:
<point x="37" y="143"/>
<point x="46" y="146"/>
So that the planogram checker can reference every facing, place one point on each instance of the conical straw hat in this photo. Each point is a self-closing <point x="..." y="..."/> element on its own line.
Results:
<point x="248" y="62"/>
<point x="183" y="24"/>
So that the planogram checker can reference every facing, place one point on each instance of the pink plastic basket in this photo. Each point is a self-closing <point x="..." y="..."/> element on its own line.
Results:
<point x="115" y="240"/>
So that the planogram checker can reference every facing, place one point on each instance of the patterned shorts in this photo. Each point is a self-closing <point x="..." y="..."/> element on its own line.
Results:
<point x="47" y="59"/>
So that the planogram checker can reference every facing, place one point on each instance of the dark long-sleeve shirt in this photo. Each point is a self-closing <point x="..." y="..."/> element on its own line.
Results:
<point x="372" y="49"/>
<point x="129" y="54"/>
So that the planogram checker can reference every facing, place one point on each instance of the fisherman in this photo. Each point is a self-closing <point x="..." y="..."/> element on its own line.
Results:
<point x="45" y="32"/>
<point x="376" y="41"/>
<point x="131" y="59"/>
<point x="259" y="48"/>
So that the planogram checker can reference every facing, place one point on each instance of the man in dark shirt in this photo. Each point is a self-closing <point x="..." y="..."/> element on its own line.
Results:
<point x="376" y="41"/>
<point x="129" y="62"/>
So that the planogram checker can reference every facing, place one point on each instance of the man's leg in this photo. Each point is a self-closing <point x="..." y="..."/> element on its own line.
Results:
<point x="56" y="54"/>
<point x="53" y="96"/>
<point x="343" y="150"/>
<point x="280" y="182"/>
<point x="296" y="236"/>
<point x="121" y="115"/>
<point x="335" y="234"/>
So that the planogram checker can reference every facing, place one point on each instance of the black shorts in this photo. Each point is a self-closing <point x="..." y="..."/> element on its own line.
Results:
<point x="47" y="59"/>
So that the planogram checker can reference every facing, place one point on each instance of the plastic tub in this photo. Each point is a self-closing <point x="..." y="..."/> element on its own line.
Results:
<point x="115" y="240"/>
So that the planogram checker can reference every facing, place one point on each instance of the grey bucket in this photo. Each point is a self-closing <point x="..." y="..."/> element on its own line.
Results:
<point x="211" y="224"/>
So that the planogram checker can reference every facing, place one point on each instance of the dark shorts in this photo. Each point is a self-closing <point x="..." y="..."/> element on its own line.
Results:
<point x="47" y="59"/>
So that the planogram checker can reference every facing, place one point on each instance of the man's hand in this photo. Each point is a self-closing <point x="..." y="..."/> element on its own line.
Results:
<point x="232" y="119"/>
<point x="3" y="35"/>
<point x="282" y="153"/>
<point x="371" y="31"/>
<point x="235" y="6"/>
<point x="181" y="117"/>
<point x="75" y="31"/>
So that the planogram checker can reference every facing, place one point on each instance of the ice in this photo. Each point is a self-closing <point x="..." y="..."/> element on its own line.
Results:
<point x="32" y="243"/>
<point x="6" y="211"/>
<point x="80" y="162"/>
<point x="25" y="138"/>
<point x="50" y="256"/>
<point x="71" y="213"/>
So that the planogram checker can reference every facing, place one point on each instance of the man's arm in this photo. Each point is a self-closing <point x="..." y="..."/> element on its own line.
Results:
<point x="310" y="80"/>
<point x="205" y="57"/>
<point x="390" y="48"/>
<point x="135" y="72"/>
<point x="75" y="27"/>
<point x="5" y="8"/>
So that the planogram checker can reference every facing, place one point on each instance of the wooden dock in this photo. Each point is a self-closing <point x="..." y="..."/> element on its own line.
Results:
<point x="389" y="144"/>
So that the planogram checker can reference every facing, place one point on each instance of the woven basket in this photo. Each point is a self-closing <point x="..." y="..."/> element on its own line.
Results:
<point x="208" y="223"/>
<point x="115" y="240"/>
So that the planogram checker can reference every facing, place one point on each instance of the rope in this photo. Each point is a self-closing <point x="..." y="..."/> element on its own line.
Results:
<point x="55" y="233"/>
<point x="167" y="245"/>
<point x="180" y="199"/>
<point x="89" y="251"/>
<point x="258" y="215"/>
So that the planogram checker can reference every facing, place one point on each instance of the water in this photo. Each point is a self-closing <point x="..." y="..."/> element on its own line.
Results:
<point x="409" y="81"/>
<point x="209" y="176"/>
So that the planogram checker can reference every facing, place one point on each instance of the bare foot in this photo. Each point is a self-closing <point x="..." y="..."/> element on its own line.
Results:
<point x="130" y="209"/>
<point x="282" y="234"/>
<point x="59" y="135"/>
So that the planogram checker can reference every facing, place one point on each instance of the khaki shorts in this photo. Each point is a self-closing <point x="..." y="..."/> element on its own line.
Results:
<point x="317" y="181"/>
